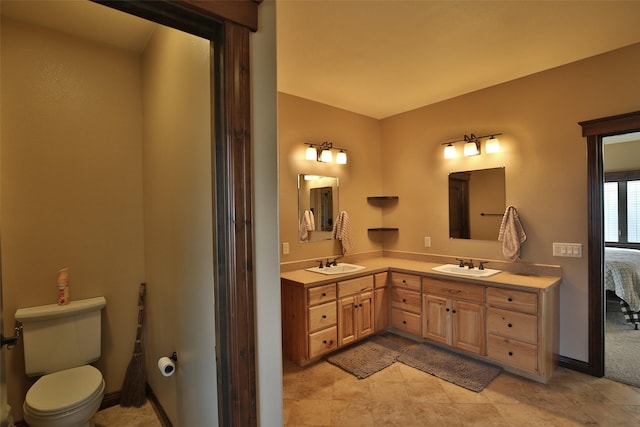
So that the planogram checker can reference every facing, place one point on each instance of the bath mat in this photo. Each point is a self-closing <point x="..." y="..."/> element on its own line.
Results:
<point x="464" y="371"/>
<point x="368" y="357"/>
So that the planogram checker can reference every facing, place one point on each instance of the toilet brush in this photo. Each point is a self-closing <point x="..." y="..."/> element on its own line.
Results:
<point x="133" y="388"/>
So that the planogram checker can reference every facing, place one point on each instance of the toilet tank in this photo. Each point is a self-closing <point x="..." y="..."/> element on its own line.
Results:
<point x="58" y="337"/>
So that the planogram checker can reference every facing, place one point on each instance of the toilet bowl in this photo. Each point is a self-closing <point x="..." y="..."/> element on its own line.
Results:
<point x="67" y="398"/>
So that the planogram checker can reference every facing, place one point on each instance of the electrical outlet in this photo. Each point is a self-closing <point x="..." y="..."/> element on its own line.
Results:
<point x="427" y="242"/>
<point x="285" y="248"/>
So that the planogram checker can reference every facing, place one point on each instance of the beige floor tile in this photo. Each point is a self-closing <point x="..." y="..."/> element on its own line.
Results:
<point x="351" y="413"/>
<point x="392" y="414"/>
<point x="311" y="412"/>
<point x="485" y="415"/>
<point x="144" y="416"/>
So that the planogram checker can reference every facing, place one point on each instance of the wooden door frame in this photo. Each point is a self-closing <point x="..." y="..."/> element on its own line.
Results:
<point x="227" y="24"/>
<point x="594" y="131"/>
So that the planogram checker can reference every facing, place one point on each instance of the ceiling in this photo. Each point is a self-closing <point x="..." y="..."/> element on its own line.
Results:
<point x="381" y="58"/>
<point x="384" y="57"/>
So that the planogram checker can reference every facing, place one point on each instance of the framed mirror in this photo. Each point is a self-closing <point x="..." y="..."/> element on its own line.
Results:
<point x="317" y="207"/>
<point x="477" y="202"/>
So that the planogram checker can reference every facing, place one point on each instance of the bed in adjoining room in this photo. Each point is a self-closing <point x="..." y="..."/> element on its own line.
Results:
<point x="622" y="277"/>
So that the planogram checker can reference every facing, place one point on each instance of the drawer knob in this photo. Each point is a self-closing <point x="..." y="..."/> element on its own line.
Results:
<point x="510" y="325"/>
<point x="511" y="353"/>
<point x="404" y="300"/>
<point x="404" y="281"/>
<point x="324" y="316"/>
<point x="404" y="322"/>
<point x="324" y="294"/>
<point x="324" y="341"/>
<point x="453" y="311"/>
<point x="446" y="309"/>
<point x="510" y="299"/>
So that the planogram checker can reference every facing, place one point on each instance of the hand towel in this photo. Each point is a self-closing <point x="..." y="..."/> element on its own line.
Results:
<point x="306" y="224"/>
<point x="342" y="232"/>
<point x="511" y="234"/>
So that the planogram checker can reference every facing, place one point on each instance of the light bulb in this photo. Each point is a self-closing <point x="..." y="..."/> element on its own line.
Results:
<point x="311" y="153"/>
<point x="449" y="152"/>
<point x="492" y="145"/>
<point x="326" y="156"/>
<point x="470" y="149"/>
<point x="341" y="158"/>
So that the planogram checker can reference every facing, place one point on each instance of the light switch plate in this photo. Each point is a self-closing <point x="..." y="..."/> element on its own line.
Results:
<point x="427" y="242"/>
<point x="572" y="250"/>
<point x="285" y="248"/>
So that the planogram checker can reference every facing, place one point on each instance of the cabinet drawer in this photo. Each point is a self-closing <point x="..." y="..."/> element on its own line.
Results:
<point x="323" y="341"/>
<point x="527" y="302"/>
<point x="404" y="299"/>
<point x="320" y="294"/>
<point x="405" y="321"/>
<point x="322" y="316"/>
<point x="380" y="280"/>
<point x="408" y="281"/>
<point x="513" y="353"/>
<point x="355" y="286"/>
<point x="457" y="290"/>
<point x="512" y="324"/>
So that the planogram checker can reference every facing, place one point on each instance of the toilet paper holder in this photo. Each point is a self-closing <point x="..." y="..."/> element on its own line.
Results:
<point x="166" y="364"/>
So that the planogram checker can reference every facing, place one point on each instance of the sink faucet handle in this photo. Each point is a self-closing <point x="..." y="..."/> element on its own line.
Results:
<point x="320" y="261"/>
<point x="334" y="262"/>
<point x="470" y="264"/>
<point x="461" y="261"/>
<point x="481" y="266"/>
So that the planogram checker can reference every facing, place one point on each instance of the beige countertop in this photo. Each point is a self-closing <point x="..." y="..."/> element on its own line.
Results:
<point x="422" y="268"/>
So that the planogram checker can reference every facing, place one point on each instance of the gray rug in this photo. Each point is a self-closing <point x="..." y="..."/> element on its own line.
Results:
<point x="368" y="357"/>
<point x="464" y="371"/>
<point x="378" y="352"/>
<point x="621" y="347"/>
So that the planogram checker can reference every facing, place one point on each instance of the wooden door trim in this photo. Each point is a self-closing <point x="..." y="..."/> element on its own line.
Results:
<point x="594" y="131"/>
<point x="227" y="24"/>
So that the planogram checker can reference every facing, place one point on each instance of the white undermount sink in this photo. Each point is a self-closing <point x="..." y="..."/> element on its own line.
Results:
<point x="341" y="268"/>
<point x="465" y="271"/>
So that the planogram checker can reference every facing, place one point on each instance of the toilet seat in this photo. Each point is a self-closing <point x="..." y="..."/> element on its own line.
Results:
<point x="64" y="390"/>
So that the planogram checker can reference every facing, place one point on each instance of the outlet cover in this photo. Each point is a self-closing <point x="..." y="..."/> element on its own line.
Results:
<point x="427" y="242"/>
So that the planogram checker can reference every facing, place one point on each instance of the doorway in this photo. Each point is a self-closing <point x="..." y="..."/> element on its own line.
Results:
<point x="595" y="131"/>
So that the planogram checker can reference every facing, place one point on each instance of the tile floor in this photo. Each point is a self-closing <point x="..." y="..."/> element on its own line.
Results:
<point x="322" y="394"/>
<point x="117" y="416"/>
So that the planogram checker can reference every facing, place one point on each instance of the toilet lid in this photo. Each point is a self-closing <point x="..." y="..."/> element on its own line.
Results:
<point x="63" y="390"/>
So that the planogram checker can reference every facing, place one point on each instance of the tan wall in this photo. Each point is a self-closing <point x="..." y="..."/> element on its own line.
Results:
<point x="178" y="225"/>
<point x="623" y="156"/>
<point x="300" y="121"/>
<point x="71" y="186"/>
<point x="542" y="150"/>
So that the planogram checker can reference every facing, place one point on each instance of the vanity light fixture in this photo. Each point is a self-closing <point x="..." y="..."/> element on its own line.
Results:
<point x="323" y="153"/>
<point x="472" y="145"/>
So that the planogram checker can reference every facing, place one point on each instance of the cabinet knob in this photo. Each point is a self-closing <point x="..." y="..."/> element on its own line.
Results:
<point x="453" y="311"/>
<point x="404" y="300"/>
<point x="510" y="299"/>
<point x="511" y="353"/>
<point x="324" y="316"/>
<point x="404" y="322"/>
<point x="359" y="305"/>
<point x="324" y="294"/>
<point x="446" y="309"/>
<point x="324" y="341"/>
<point x="510" y="325"/>
<point x="404" y="281"/>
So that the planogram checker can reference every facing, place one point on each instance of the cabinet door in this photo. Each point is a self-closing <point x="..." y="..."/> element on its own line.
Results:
<point x="468" y="326"/>
<point x="346" y="320"/>
<point x="365" y="317"/>
<point x="381" y="308"/>
<point x="436" y="324"/>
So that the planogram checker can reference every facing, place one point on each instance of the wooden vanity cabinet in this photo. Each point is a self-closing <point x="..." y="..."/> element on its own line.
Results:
<point x="309" y="321"/>
<point x="406" y="305"/>
<point x="516" y="326"/>
<point x="381" y="301"/>
<point x="356" y="318"/>
<point x="454" y="314"/>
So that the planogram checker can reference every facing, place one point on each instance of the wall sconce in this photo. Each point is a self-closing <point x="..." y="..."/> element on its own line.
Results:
<point x="322" y="153"/>
<point x="472" y="145"/>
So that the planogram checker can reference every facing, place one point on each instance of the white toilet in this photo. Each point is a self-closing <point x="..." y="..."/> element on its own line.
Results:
<point x="59" y="343"/>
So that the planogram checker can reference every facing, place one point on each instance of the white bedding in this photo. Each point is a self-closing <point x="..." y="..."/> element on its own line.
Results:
<point x="622" y="274"/>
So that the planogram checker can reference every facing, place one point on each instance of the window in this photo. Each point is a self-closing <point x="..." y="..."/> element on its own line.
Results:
<point x="622" y="208"/>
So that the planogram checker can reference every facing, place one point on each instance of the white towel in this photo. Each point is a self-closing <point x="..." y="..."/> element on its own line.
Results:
<point x="342" y="232"/>
<point x="511" y="234"/>
<point x="306" y="224"/>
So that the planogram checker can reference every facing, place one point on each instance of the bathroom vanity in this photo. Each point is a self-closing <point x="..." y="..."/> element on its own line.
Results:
<point x="508" y="319"/>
